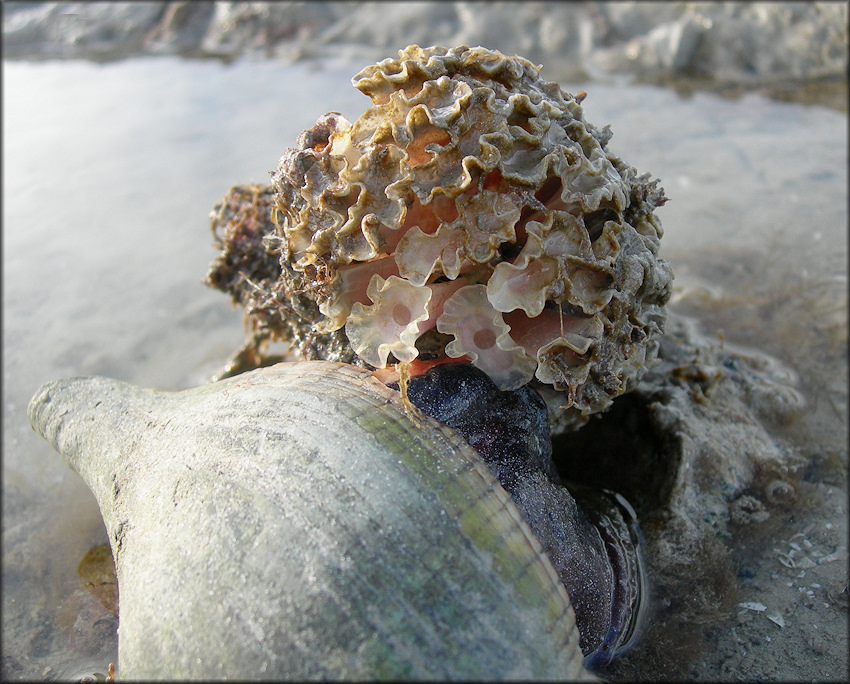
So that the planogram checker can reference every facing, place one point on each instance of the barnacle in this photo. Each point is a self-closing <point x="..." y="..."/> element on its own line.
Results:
<point x="472" y="213"/>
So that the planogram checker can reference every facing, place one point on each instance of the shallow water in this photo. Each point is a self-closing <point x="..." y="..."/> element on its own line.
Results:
<point x="111" y="171"/>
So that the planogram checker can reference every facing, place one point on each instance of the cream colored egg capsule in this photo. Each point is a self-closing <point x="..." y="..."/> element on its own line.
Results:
<point x="470" y="213"/>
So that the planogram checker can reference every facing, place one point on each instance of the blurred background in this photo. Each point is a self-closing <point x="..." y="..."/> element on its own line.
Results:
<point x="790" y="50"/>
<point x="124" y="124"/>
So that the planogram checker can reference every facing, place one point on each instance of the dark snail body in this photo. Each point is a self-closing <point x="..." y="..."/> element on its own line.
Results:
<point x="593" y="546"/>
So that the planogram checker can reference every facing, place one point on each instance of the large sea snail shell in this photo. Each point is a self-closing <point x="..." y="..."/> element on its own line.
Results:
<point x="292" y="522"/>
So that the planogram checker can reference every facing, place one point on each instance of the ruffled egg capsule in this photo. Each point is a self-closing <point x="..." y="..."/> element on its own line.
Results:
<point x="391" y="323"/>
<point x="468" y="169"/>
<point x="481" y="334"/>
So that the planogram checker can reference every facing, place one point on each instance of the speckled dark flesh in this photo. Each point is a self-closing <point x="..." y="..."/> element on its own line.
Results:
<point x="594" y="547"/>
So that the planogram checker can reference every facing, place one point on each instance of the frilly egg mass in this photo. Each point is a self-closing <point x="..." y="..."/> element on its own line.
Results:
<point x="471" y="213"/>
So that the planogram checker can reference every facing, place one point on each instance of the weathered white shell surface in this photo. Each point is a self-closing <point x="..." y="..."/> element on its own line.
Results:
<point x="292" y="522"/>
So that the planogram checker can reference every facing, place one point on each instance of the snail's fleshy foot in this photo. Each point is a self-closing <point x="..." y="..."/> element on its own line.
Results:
<point x="617" y="524"/>
<point x="594" y="546"/>
<point x="510" y="429"/>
